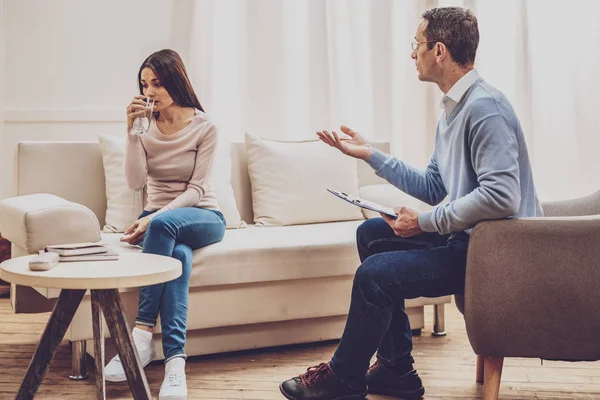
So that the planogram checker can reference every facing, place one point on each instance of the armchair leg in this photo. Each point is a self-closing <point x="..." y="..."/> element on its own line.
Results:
<point x="479" y="370"/>
<point x="439" y="324"/>
<point x="78" y="366"/>
<point x="492" y="369"/>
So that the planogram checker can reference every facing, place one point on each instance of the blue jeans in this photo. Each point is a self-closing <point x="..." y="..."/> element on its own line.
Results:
<point x="393" y="269"/>
<point x="175" y="233"/>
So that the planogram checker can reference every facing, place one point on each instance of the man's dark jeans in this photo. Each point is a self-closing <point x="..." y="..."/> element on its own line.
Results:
<point x="393" y="269"/>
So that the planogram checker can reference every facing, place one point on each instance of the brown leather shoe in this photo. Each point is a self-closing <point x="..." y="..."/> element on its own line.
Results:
<point x="319" y="383"/>
<point x="382" y="380"/>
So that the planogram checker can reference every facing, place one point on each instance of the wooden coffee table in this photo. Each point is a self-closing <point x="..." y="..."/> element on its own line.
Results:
<point x="103" y="278"/>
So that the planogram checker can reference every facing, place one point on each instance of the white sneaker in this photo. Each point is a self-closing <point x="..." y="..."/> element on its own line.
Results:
<point x="174" y="387"/>
<point x="114" y="372"/>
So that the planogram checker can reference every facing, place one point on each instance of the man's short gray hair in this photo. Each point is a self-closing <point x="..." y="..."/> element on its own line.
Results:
<point x="457" y="28"/>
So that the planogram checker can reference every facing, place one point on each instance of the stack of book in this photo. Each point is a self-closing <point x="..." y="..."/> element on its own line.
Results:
<point x="83" y="252"/>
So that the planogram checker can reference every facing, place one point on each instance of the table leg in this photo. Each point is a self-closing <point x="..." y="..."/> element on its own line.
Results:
<point x="78" y="361"/>
<point x="119" y="330"/>
<point x="57" y="325"/>
<point x="98" y="329"/>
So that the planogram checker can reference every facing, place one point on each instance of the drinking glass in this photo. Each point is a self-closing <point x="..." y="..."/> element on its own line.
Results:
<point x="142" y="123"/>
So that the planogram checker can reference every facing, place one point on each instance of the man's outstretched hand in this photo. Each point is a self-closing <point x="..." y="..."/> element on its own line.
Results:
<point x="354" y="146"/>
<point x="407" y="223"/>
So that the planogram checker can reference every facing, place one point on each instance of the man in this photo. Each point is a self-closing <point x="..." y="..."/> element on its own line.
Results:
<point x="480" y="162"/>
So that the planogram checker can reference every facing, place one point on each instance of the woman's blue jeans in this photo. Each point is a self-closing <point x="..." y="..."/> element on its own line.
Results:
<point x="175" y="233"/>
<point x="393" y="269"/>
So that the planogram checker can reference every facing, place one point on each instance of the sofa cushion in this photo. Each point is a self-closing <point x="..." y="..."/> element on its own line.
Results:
<point x="259" y="254"/>
<point x="125" y="205"/>
<point x="290" y="180"/>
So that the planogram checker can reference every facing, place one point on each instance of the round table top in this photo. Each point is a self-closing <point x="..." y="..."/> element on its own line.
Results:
<point x="130" y="270"/>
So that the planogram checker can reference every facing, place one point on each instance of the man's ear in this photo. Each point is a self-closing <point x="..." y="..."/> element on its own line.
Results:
<point x="441" y="51"/>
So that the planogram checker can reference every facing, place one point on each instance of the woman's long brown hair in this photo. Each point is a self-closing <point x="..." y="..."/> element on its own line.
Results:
<point x="170" y="71"/>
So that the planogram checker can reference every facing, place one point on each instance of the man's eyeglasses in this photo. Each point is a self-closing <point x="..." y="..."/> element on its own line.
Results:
<point x="415" y="45"/>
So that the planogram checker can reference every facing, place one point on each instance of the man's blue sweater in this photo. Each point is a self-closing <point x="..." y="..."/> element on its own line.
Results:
<point x="480" y="162"/>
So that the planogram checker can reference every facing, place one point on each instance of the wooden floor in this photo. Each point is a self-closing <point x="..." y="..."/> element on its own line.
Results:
<point x="446" y="364"/>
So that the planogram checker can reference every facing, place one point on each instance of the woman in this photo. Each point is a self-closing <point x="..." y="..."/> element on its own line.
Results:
<point x="174" y="163"/>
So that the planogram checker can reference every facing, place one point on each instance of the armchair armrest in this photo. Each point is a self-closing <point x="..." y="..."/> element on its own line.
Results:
<point x="531" y="288"/>
<point x="35" y="221"/>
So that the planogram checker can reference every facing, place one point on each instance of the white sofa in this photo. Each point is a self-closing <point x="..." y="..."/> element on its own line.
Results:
<point x="259" y="287"/>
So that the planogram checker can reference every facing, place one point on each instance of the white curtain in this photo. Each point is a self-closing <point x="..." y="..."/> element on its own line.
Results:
<point x="284" y="69"/>
<point x="544" y="55"/>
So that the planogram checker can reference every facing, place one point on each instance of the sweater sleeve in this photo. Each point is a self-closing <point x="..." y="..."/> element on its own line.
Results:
<point x="424" y="184"/>
<point x="494" y="157"/>
<point x="205" y="155"/>
<point x="135" y="165"/>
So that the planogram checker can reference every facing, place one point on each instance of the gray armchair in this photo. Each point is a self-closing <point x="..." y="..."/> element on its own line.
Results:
<point x="533" y="288"/>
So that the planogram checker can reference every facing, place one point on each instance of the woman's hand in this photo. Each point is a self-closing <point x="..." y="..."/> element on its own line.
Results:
<point x="135" y="109"/>
<point x="135" y="233"/>
<point x="356" y="146"/>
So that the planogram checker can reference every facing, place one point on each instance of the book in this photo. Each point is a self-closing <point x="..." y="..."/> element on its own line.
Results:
<point x="74" y="249"/>
<point x="108" y="255"/>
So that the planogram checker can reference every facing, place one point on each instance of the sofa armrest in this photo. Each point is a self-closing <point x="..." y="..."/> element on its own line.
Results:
<point x="35" y="221"/>
<point x="531" y="288"/>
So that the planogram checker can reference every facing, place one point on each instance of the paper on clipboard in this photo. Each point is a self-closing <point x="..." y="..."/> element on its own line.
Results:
<point x="369" y="205"/>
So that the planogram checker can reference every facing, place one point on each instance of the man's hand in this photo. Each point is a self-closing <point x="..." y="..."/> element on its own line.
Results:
<point x="135" y="233"/>
<point x="356" y="146"/>
<point x="407" y="223"/>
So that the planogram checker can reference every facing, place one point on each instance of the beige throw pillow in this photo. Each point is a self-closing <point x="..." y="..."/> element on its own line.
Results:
<point x="125" y="205"/>
<point x="290" y="180"/>
<point x="226" y="199"/>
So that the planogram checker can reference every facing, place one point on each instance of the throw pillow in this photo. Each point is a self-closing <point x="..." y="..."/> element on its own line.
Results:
<point x="289" y="182"/>
<point x="125" y="205"/>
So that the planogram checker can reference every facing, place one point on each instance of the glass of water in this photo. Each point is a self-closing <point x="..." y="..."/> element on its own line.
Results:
<point x="142" y="123"/>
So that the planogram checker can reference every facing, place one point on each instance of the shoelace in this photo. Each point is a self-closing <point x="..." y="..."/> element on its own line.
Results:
<point x="175" y="379"/>
<point x="374" y="366"/>
<point x="315" y="374"/>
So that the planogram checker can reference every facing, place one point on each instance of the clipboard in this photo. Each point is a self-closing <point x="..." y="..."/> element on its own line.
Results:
<point x="369" y="205"/>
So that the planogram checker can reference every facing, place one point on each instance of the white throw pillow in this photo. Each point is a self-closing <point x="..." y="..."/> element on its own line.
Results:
<point x="226" y="199"/>
<point x="290" y="180"/>
<point x="125" y="205"/>
<point x="221" y="177"/>
<point x="389" y="196"/>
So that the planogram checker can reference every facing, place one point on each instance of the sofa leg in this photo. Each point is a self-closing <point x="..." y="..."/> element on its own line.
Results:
<point x="492" y="370"/>
<point x="479" y="370"/>
<point x="78" y="355"/>
<point x="439" y="324"/>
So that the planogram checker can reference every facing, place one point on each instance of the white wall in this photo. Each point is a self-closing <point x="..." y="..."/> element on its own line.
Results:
<point x="71" y="66"/>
